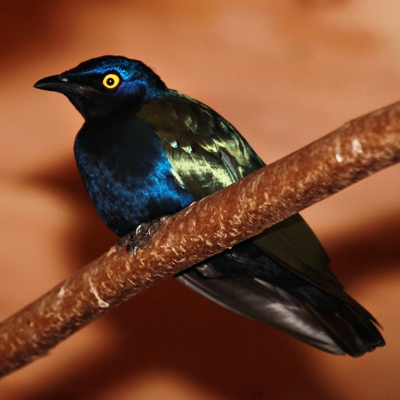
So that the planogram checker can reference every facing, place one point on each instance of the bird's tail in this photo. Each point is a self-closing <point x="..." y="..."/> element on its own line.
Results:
<point x="340" y="328"/>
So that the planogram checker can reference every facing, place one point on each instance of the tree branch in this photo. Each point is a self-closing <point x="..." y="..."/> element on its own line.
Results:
<point x="354" y="151"/>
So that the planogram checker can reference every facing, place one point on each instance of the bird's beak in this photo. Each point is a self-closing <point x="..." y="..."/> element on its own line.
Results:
<point x="61" y="84"/>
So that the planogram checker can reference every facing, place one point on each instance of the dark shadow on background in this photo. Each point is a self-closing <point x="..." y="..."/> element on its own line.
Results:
<point x="25" y="25"/>
<point x="368" y="249"/>
<point x="29" y="26"/>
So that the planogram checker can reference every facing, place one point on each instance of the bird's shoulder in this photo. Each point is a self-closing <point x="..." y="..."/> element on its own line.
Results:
<point x="205" y="151"/>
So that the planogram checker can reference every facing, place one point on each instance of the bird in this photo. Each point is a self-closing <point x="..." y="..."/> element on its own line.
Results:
<point x="146" y="151"/>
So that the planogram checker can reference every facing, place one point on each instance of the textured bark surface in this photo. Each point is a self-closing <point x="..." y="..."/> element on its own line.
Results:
<point x="354" y="151"/>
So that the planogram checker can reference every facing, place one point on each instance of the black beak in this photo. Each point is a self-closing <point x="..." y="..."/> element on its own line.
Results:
<point x="61" y="84"/>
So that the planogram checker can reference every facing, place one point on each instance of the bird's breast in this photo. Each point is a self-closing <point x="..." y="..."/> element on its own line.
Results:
<point x="126" y="172"/>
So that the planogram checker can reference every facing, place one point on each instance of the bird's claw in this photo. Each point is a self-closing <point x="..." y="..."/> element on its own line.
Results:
<point x="139" y="238"/>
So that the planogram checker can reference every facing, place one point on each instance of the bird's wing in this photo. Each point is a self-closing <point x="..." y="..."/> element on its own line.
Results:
<point x="205" y="151"/>
<point x="207" y="154"/>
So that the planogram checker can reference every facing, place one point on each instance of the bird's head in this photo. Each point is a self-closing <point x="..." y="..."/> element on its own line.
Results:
<point x="101" y="85"/>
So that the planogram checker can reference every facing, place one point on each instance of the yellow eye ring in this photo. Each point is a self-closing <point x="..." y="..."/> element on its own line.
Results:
<point x="111" y="81"/>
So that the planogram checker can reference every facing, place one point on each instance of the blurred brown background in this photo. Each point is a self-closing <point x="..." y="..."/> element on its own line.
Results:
<point x="284" y="73"/>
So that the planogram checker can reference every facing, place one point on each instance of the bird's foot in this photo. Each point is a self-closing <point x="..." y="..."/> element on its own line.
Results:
<point x="139" y="238"/>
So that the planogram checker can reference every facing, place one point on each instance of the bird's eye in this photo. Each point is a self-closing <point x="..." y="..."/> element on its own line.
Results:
<point x="111" y="81"/>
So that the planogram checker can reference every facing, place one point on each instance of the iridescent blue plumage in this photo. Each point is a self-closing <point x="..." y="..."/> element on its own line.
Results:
<point x="146" y="151"/>
<point x="126" y="193"/>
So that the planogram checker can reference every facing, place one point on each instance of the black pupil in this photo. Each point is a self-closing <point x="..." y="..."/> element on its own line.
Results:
<point x="110" y="81"/>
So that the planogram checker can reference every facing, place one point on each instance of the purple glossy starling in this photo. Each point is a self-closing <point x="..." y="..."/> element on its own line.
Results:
<point x="146" y="151"/>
